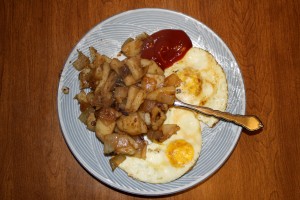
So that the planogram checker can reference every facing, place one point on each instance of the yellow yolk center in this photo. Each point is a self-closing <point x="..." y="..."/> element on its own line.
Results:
<point x="180" y="152"/>
<point x="191" y="81"/>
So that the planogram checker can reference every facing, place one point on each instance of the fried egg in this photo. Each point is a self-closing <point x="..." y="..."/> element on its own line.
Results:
<point x="203" y="82"/>
<point x="172" y="158"/>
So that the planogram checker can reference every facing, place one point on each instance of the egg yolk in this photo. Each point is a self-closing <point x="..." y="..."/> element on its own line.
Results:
<point x="180" y="152"/>
<point x="192" y="81"/>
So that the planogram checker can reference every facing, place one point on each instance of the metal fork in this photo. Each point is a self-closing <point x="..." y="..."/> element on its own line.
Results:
<point x="250" y="122"/>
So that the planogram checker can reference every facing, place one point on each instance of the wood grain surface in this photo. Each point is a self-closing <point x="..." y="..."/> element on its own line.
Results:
<point x="36" y="38"/>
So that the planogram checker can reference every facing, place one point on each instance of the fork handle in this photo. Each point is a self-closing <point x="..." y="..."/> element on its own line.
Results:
<point x="250" y="122"/>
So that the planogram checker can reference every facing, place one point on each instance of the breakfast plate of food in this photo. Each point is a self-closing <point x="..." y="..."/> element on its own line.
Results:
<point x="116" y="102"/>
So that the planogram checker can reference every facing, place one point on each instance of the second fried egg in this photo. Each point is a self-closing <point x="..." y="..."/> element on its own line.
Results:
<point x="172" y="158"/>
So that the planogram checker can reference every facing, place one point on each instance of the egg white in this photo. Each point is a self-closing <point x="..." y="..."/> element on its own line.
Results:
<point x="156" y="168"/>
<point x="204" y="82"/>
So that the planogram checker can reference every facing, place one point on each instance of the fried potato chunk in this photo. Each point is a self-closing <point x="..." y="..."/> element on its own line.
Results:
<point x="119" y="144"/>
<point x="132" y="124"/>
<point x="82" y="61"/>
<point x="103" y="128"/>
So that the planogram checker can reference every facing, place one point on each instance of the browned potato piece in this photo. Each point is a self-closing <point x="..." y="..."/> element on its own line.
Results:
<point x="116" y="65"/>
<point x="165" y="98"/>
<point x="132" y="48"/>
<point x="84" y="78"/>
<point x="145" y="117"/>
<point x="105" y="74"/>
<point x="157" y="118"/>
<point x="90" y="97"/>
<point x="82" y="100"/>
<point x="97" y="73"/>
<point x="147" y="105"/>
<point x="91" y="122"/>
<point x="142" y="36"/>
<point x="169" y="129"/>
<point x="167" y="90"/>
<point x="145" y="62"/>
<point x="172" y="80"/>
<point x="158" y="78"/>
<point x="132" y="124"/>
<point x="93" y="53"/>
<point x="81" y="97"/>
<point x="124" y="71"/>
<point x="129" y="80"/>
<point x="138" y="100"/>
<point x="127" y="41"/>
<point x="148" y="84"/>
<point x="110" y="82"/>
<point x="119" y="144"/>
<point x="164" y="107"/>
<point x="135" y="68"/>
<point x="132" y="92"/>
<point x="135" y="98"/>
<point x="142" y="147"/>
<point x="94" y="100"/>
<point x="126" y="75"/>
<point x="81" y="62"/>
<point x="153" y="68"/>
<point x="120" y="93"/>
<point x="106" y="59"/>
<point x="108" y="114"/>
<point x="107" y="99"/>
<point x="155" y="136"/>
<point x="97" y="59"/>
<point x="104" y="127"/>
<point x="85" y="114"/>
<point x="116" y="161"/>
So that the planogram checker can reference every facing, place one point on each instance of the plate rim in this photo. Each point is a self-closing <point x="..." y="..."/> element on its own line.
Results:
<point x="90" y="170"/>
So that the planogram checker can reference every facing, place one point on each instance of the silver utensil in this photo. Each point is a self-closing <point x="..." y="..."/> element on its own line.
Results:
<point x="250" y="122"/>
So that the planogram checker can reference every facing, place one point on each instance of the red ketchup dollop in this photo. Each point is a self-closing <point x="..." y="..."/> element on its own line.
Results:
<point x="166" y="47"/>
